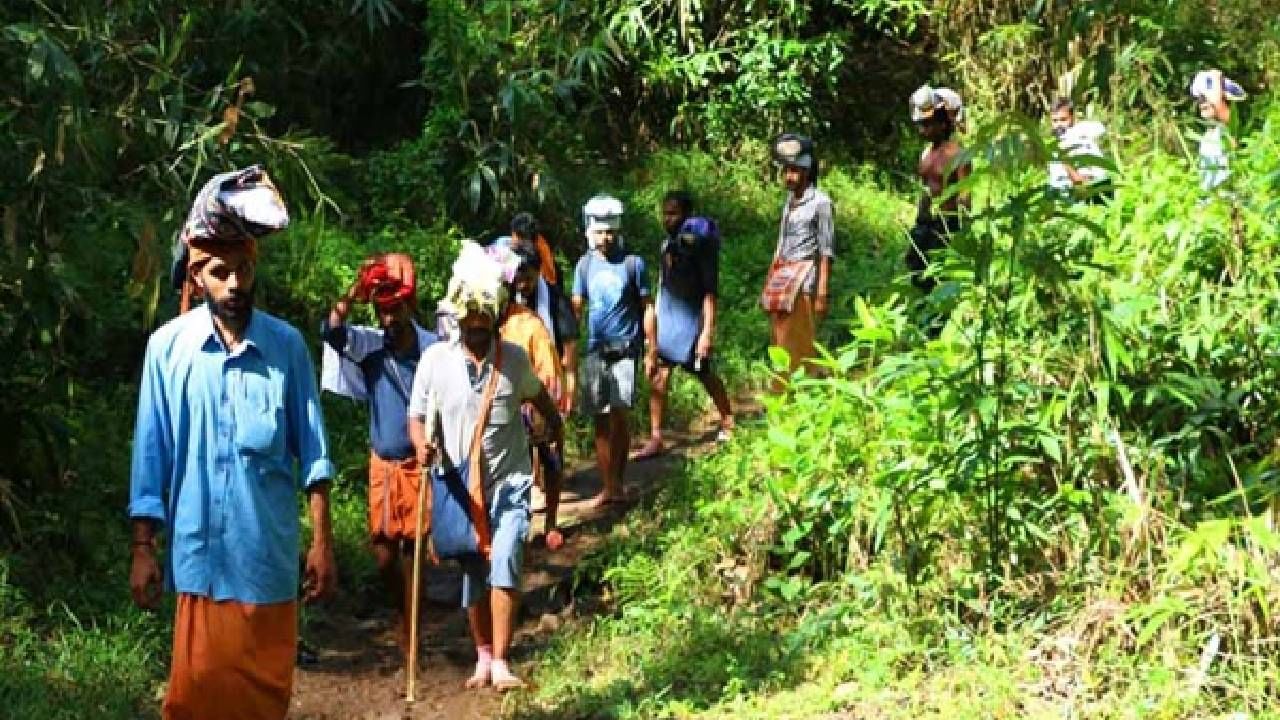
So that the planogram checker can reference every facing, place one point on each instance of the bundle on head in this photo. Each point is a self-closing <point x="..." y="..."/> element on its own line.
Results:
<point x="228" y="216"/>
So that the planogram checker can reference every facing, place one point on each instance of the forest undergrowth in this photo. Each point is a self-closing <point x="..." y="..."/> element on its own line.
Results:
<point x="1063" y="505"/>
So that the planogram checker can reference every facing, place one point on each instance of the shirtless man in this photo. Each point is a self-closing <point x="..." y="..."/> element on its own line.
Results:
<point x="936" y="113"/>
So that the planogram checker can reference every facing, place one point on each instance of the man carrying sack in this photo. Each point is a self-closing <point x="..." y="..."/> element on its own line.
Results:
<point x="471" y="390"/>
<point x="796" y="290"/>
<point x="376" y="365"/>
<point x="227" y="405"/>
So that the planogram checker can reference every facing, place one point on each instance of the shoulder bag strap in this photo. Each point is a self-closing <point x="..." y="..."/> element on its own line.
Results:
<point x="479" y="512"/>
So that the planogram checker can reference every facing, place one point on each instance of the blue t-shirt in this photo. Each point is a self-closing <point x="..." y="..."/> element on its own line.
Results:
<point x="614" y="288"/>
<point x="389" y="379"/>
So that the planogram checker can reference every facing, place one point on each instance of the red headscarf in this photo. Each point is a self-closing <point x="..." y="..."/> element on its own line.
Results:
<point x="386" y="280"/>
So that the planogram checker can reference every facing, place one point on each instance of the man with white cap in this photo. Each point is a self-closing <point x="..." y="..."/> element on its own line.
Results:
<point x="611" y="286"/>
<point x="937" y="114"/>
<point x="1211" y="90"/>
<point x="797" y="287"/>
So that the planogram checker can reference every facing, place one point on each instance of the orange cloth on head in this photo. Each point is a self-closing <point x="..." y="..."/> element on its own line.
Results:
<point x="393" y="498"/>
<point x="795" y="331"/>
<point x="199" y="253"/>
<point x="231" y="660"/>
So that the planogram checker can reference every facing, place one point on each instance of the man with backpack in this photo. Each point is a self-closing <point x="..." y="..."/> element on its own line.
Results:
<point x="610" y="285"/>
<point x="546" y="298"/>
<point x="688" y="278"/>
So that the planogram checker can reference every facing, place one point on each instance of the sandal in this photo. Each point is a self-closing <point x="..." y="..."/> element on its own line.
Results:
<point x="650" y="450"/>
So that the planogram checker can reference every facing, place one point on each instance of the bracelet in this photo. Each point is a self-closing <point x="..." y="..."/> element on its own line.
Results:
<point x="142" y="543"/>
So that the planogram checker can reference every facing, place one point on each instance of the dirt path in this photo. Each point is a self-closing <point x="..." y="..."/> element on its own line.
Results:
<point x="359" y="673"/>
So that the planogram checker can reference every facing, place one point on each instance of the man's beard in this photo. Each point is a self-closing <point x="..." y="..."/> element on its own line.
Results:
<point x="233" y="309"/>
<point x="477" y="338"/>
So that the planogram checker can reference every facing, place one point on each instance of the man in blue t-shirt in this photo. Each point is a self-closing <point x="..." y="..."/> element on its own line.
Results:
<point x="689" y="275"/>
<point x="377" y="366"/>
<point x="610" y="285"/>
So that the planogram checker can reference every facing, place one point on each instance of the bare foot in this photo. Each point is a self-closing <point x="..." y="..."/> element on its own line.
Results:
<point x="651" y="449"/>
<point x="503" y="678"/>
<point x="605" y="500"/>
<point x="479" y="678"/>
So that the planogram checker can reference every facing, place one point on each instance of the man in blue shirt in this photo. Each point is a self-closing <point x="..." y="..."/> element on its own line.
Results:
<point x="611" y="286"/>
<point x="688" y="280"/>
<point x="229" y="427"/>
<point x="376" y="366"/>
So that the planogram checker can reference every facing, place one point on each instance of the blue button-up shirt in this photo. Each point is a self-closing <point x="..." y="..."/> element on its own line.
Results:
<point x="214" y="451"/>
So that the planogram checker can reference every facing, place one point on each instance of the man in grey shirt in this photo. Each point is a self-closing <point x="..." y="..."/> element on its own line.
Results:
<point x="450" y="381"/>
<point x="806" y="239"/>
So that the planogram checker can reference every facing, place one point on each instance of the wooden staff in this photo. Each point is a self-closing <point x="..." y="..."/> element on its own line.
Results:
<point x="424" y="479"/>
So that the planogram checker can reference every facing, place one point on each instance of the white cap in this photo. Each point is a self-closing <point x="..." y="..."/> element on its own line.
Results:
<point x="926" y="101"/>
<point x="602" y="212"/>
<point x="1205" y="84"/>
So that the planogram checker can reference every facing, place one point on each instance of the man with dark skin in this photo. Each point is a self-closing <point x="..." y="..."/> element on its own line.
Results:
<point x="936" y="114"/>
<point x="227" y="408"/>
<point x="688" y="272"/>
<point x="376" y="366"/>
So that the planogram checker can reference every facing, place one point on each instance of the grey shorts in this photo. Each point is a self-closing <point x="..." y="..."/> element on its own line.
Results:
<point x="607" y="385"/>
<point x="508" y="525"/>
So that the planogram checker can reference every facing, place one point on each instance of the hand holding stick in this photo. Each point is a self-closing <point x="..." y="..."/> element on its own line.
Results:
<point x="424" y="480"/>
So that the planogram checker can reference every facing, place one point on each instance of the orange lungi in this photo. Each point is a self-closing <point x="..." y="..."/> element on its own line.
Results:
<point x="393" y="497"/>
<point x="231" y="660"/>
<point x="795" y="331"/>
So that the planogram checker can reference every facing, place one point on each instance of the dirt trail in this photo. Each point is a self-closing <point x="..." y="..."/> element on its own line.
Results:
<point x="359" y="675"/>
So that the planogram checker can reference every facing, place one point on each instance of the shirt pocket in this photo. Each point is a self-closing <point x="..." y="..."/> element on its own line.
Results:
<point x="260" y="419"/>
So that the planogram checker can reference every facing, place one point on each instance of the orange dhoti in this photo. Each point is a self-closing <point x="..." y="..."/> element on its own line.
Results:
<point x="231" y="660"/>
<point x="795" y="331"/>
<point x="393" y="497"/>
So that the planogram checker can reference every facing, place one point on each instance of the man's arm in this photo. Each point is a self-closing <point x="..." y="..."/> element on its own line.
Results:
<point x="826" y="251"/>
<point x="963" y="172"/>
<point x="321" y="577"/>
<point x="706" y="339"/>
<point x="650" y="338"/>
<point x="152" y="465"/>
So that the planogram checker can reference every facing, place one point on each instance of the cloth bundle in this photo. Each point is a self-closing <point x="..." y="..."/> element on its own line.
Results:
<point x="228" y="216"/>
<point x="386" y="280"/>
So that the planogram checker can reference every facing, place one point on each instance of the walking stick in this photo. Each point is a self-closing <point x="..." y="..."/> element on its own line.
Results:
<point x="423" y="480"/>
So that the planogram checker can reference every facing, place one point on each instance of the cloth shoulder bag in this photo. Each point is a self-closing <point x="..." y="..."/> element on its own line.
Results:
<point x="785" y="278"/>
<point x="459" y="517"/>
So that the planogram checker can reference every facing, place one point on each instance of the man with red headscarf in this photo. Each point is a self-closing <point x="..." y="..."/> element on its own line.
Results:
<point x="377" y="366"/>
<point x="227" y="406"/>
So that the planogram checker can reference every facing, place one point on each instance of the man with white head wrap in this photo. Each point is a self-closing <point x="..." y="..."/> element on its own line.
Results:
<point x="1212" y="90"/>
<point x="937" y="114"/>
<point x="611" y="286"/>
<point x="452" y="380"/>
